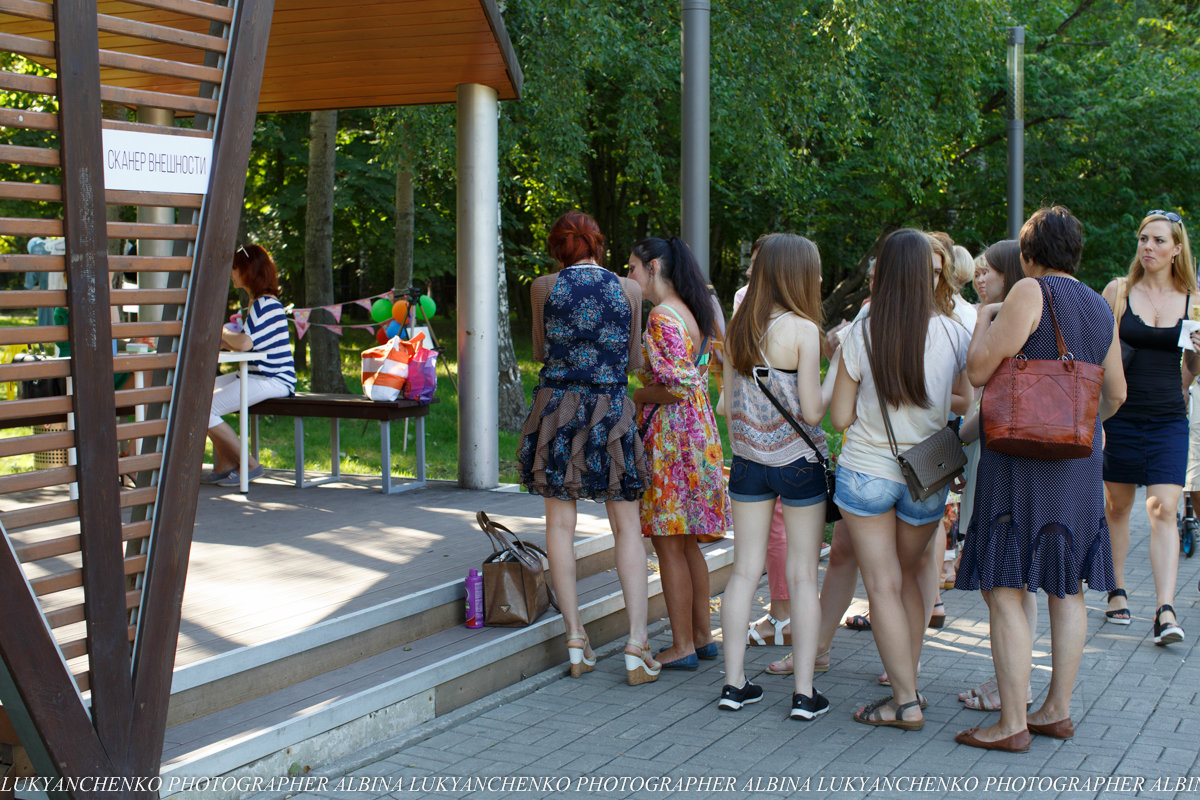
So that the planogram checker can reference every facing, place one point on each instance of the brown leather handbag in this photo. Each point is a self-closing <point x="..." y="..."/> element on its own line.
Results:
<point x="515" y="591"/>
<point x="1042" y="407"/>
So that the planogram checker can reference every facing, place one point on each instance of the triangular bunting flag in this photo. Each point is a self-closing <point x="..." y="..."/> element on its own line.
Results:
<point x="300" y="317"/>
<point x="336" y="311"/>
<point x="365" y="303"/>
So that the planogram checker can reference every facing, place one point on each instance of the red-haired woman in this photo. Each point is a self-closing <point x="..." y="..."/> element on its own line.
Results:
<point x="266" y="332"/>
<point x="580" y="441"/>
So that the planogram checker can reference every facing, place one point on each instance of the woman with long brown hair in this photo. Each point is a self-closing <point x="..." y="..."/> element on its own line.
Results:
<point x="685" y="501"/>
<point x="915" y="364"/>
<point x="776" y="338"/>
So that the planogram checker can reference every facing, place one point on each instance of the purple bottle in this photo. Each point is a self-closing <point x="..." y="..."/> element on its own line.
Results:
<point x="474" y="586"/>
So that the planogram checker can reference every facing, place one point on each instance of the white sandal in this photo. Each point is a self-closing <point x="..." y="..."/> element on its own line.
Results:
<point x="754" y="639"/>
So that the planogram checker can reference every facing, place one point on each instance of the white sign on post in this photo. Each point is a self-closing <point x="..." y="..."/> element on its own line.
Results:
<point x="156" y="162"/>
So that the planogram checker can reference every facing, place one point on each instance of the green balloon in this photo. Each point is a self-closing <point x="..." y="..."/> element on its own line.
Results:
<point x="381" y="310"/>
<point x="428" y="306"/>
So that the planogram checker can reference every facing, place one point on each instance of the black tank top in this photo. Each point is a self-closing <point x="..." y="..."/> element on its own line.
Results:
<point x="1154" y="376"/>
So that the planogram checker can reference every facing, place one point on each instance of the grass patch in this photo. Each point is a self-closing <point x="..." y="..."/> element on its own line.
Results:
<point x="359" y="440"/>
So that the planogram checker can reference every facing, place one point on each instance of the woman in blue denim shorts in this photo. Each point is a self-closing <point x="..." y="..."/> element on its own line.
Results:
<point x="777" y="335"/>
<point x="917" y="366"/>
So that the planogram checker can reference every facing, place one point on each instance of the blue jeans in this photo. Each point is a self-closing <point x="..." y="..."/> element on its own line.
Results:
<point x="869" y="496"/>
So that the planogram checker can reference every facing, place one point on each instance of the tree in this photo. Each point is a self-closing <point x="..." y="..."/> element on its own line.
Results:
<point x="318" y="252"/>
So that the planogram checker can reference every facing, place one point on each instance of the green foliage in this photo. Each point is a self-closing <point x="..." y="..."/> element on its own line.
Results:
<point x="838" y="119"/>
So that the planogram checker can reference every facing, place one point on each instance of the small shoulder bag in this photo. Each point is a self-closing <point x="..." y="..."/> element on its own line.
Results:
<point x="929" y="465"/>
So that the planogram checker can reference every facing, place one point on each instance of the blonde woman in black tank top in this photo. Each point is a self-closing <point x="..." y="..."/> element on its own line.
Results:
<point x="1146" y="440"/>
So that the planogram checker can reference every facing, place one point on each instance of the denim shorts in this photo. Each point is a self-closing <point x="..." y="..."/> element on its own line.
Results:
<point x="869" y="496"/>
<point x="800" y="483"/>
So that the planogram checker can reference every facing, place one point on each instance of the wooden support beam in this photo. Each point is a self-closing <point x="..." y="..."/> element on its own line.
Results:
<point x="86" y="234"/>
<point x="170" y="540"/>
<point x="39" y="694"/>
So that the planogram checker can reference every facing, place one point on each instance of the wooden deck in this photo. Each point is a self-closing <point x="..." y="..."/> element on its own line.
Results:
<point x="279" y="559"/>
<point x="313" y="619"/>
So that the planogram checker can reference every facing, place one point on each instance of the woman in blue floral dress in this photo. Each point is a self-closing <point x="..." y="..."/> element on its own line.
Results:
<point x="580" y="440"/>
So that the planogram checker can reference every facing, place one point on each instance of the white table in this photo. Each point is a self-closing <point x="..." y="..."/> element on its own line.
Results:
<point x="242" y="359"/>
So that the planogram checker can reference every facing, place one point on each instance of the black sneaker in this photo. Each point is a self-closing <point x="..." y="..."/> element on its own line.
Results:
<point x="806" y="708"/>
<point x="733" y="698"/>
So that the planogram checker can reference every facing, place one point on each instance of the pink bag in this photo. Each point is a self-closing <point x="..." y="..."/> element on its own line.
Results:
<point x="422" y="373"/>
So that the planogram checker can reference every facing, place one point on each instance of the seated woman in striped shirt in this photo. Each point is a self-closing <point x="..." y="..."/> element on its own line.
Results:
<point x="265" y="331"/>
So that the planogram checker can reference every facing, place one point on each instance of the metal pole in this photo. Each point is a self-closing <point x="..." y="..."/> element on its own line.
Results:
<point x="693" y="183"/>
<point x="1016" y="130"/>
<point x="157" y="214"/>
<point x="478" y="353"/>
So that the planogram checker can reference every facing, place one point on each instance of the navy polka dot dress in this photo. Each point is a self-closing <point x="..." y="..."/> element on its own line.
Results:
<point x="1040" y="524"/>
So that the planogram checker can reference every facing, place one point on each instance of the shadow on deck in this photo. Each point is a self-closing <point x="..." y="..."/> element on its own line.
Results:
<point x="317" y="621"/>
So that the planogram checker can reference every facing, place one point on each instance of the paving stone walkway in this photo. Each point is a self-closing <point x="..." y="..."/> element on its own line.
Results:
<point x="1136" y="710"/>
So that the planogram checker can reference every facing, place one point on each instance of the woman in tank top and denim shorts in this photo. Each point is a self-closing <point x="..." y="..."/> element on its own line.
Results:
<point x="777" y="326"/>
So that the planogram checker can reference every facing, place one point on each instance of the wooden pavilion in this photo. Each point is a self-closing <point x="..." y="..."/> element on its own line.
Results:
<point x="87" y="651"/>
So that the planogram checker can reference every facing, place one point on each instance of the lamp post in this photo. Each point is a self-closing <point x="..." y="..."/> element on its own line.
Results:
<point x="694" y="136"/>
<point x="1016" y="130"/>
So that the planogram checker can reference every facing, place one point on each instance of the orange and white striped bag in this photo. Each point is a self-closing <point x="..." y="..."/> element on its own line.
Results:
<point x="385" y="367"/>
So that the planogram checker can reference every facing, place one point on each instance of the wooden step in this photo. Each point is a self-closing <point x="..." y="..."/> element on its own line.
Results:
<point x="228" y="679"/>
<point x="326" y="717"/>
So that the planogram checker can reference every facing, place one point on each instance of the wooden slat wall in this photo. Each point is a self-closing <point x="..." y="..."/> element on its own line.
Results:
<point x="47" y="526"/>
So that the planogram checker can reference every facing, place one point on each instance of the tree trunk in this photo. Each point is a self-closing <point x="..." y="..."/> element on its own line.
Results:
<point x="511" y="399"/>
<point x="318" y="253"/>
<point x="403" y="270"/>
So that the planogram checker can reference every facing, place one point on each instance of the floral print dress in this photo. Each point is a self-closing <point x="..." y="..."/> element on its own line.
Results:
<point x="687" y="493"/>
<point x="580" y="440"/>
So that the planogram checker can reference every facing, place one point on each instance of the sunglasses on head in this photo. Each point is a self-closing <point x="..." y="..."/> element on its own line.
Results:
<point x="1170" y="215"/>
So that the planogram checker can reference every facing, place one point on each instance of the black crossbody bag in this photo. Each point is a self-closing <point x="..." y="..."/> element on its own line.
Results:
<point x="832" y="512"/>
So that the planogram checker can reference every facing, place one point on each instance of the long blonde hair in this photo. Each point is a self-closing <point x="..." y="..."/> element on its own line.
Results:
<point x="943" y="293"/>
<point x="1183" y="267"/>
<point x="787" y="274"/>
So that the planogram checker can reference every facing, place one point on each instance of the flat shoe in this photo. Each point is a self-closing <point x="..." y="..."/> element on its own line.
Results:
<point x="1017" y="743"/>
<point x="858" y="622"/>
<point x="1063" y="729"/>
<point x="864" y="715"/>
<point x="709" y="652"/>
<point x="233" y="479"/>
<point x="785" y="665"/>
<point x="987" y="698"/>
<point x="690" y="661"/>
<point x="213" y="478"/>
<point x="780" y="637"/>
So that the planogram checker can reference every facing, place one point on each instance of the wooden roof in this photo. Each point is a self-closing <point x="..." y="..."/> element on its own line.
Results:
<point x="324" y="54"/>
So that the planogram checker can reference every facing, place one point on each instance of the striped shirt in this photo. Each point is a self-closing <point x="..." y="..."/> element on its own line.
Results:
<point x="267" y="328"/>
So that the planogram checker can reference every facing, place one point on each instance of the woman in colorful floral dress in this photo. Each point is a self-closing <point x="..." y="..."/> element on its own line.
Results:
<point x="686" y="502"/>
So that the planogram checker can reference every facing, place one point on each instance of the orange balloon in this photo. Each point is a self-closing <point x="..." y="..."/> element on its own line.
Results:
<point x="400" y="311"/>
